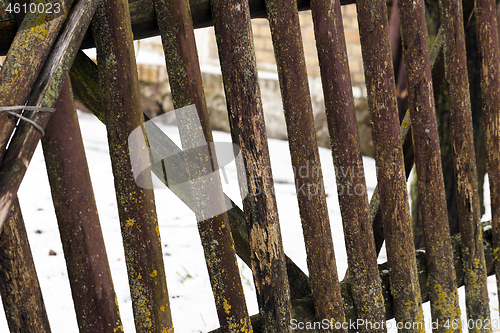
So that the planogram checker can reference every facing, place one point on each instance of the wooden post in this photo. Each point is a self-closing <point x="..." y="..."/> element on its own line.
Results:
<point x="239" y="72"/>
<point x="488" y="36"/>
<point x="121" y="101"/>
<point x="285" y="31"/>
<point x="21" y="295"/>
<point x="184" y="74"/>
<point x="94" y="297"/>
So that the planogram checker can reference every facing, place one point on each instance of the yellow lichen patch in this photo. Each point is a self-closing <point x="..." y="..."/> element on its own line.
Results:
<point x="118" y="329"/>
<point x="162" y="308"/>
<point x="130" y="223"/>
<point x="139" y="276"/>
<point x="155" y="273"/>
<point x="227" y="306"/>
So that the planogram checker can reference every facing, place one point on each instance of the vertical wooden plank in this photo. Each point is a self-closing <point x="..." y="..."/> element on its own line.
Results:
<point x="239" y="70"/>
<point x="391" y="175"/>
<point x="136" y="206"/>
<point x="489" y="49"/>
<point x="461" y="134"/>
<point x="444" y="298"/>
<point x="287" y="39"/>
<point x="94" y="297"/>
<point x="21" y="295"/>
<point x="176" y="28"/>
<point x="344" y="137"/>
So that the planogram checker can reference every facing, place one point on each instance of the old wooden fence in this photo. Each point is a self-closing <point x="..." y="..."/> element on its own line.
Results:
<point x="43" y="51"/>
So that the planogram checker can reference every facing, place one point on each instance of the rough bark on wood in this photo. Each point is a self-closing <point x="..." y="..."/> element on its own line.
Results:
<point x="19" y="287"/>
<point x="136" y="206"/>
<point x="89" y="275"/>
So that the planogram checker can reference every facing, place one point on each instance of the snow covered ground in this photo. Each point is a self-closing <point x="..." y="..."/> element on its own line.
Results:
<point x="193" y="308"/>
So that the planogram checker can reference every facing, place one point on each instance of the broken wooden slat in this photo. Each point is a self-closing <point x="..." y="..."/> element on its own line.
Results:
<point x="489" y="49"/>
<point x="184" y="74"/>
<point x="94" y="297"/>
<point x="44" y="94"/>
<point x="136" y="206"/>
<point x="19" y="287"/>
<point x="239" y="72"/>
<point x="284" y="22"/>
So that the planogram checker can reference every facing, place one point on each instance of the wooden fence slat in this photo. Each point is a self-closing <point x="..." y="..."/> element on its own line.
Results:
<point x="184" y="74"/>
<point x="391" y="176"/>
<point x="239" y="72"/>
<point x="136" y="206"/>
<point x="464" y="160"/>
<point x="284" y="22"/>
<point x="339" y="105"/>
<point x="19" y="287"/>
<point x="428" y="158"/>
<point x="437" y="70"/>
<point x="21" y="67"/>
<point x="86" y="260"/>
<point x="44" y="94"/>
<point x="489" y="49"/>
<point x="388" y="152"/>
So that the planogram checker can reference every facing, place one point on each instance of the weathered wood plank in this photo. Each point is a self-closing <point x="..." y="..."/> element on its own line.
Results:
<point x="489" y="49"/>
<point x="287" y="39"/>
<point x="19" y="287"/>
<point x="121" y="101"/>
<point x="22" y="66"/>
<point x="389" y="158"/>
<point x="143" y="19"/>
<point x="464" y="162"/>
<point x="78" y="221"/>
<point x="246" y="117"/>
